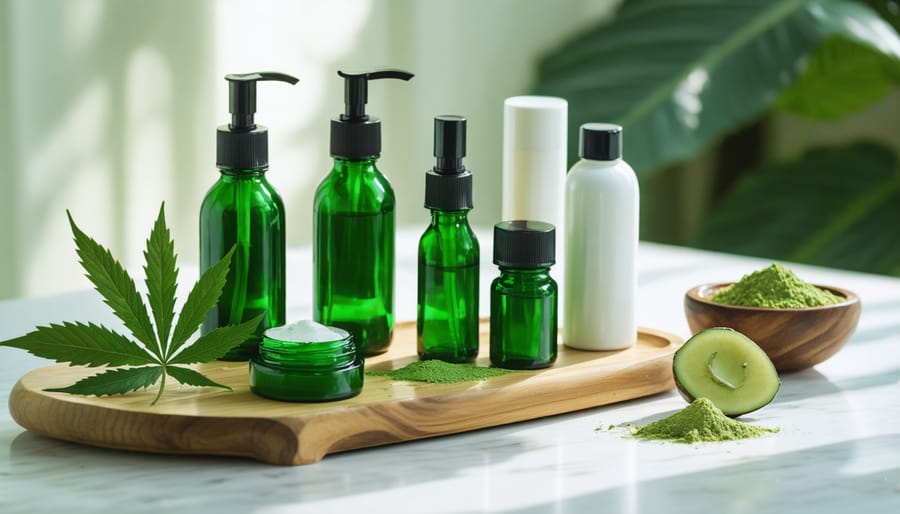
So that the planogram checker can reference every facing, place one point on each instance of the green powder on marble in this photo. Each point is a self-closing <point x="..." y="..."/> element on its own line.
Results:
<point x="776" y="288"/>
<point x="440" y="372"/>
<point x="701" y="421"/>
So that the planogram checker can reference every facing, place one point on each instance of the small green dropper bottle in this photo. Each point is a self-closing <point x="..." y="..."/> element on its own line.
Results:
<point x="447" y="319"/>
<point x="524" y="296"/>
<point x="353" y="226"/>
<point x="244" y="211"/>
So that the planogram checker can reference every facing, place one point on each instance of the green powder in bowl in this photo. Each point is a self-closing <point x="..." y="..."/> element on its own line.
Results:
<point x="701" y="421"/>
<point x="776" y="288"/>
<point x="440" y="372"/>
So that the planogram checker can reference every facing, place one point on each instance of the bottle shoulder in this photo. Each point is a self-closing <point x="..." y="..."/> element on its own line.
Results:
<point x="445" y="246"/>
<point x="255" y="193"/>
<point x="525" y="284"/>
<point x="350" y="190"/>
<point x="588" y="173"/>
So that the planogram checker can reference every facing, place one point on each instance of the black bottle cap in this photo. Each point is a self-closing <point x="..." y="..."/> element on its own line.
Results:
<point x="448" y="186"/>
<point x="355" y="134"/>
<point x="524" y="244"/>
<point x="242" y="144"/>
<point x="600" y="141"/>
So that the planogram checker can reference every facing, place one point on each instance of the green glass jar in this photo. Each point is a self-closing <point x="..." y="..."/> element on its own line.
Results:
<point x="524" y="297"/>
<point x="317" y="371"/>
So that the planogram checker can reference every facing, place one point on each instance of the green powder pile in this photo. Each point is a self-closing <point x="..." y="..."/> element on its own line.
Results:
<point x="776" y="288"/>
<point x="440" y="372"/>
<point x="700" y="421"/>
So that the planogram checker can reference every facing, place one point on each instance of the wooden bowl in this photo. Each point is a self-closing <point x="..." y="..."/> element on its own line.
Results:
<point x="794" y="339"/>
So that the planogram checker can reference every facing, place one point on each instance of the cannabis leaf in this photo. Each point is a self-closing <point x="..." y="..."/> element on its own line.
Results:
<point x="154" y="353"/>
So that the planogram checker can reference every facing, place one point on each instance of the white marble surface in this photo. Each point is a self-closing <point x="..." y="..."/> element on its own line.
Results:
<point x="838" y="450"/>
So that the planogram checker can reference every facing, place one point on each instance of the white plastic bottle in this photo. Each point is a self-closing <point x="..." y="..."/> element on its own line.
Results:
<point x="601" y="239"/>
<point x="534" y="166"/>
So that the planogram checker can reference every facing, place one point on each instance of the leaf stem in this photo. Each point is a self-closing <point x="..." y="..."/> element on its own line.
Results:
<point x="162" y="386"/>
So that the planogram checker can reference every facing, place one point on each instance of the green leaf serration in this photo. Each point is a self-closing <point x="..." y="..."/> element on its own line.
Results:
<point x="190" y="377"/>
<point x="116" y="286"/>
<point x="161" y="278"/>
<point x="217" y="343"/>
<point x="200" y="300"/>
<point x="116" y="381"/>
<point x="80" y="344"/>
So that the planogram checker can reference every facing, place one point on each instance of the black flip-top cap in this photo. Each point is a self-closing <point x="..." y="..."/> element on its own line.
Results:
<point x="448" y="186"/>
<point x="600" y="141"/>
<point x="524" y="244"/>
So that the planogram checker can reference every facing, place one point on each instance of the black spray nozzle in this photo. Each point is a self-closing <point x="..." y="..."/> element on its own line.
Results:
<point x="242" y="96"/>
<point x="356" y="91"/>
<point x="449" y="144"/>
<point x="448" y="186"/>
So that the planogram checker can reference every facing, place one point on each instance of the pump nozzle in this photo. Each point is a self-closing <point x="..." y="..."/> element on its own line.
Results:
<point x="242" y="144"/>
<point x="242" y="96"/>
<point x="355" y="134"/>
<point x="448" y="186"/>
<point x="356" y="90"/>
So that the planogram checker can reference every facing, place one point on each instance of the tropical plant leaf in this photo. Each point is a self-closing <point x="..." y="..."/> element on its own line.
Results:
<point x="835" y="207"/>
<point x="842" y="77"/>
<point x="161" y="278"/>
<point x="117" y="381"/>
<point x="217" y="343"/>
<point x="190" y="377"/>
<point x="80" y="344"/>
<point x="888" y="11"/>
<point x="680" y="75"/>
<point x="200" y="300"/>
<point x="116" y="286"/>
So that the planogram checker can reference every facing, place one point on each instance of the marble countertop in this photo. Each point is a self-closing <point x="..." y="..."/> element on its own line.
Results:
<point x="838" y="449"/>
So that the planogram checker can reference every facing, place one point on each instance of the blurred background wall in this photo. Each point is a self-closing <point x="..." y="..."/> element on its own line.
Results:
<point x="108" y="108"/>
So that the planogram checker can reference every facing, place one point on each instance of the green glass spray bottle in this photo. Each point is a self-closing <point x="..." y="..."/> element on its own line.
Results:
<point x="353" y="226"/>
<point x="242" y="210"/>
<point x="447" y="314"/>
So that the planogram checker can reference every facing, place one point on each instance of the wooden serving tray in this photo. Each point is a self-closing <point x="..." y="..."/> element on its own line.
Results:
<point x="212" y="421"/>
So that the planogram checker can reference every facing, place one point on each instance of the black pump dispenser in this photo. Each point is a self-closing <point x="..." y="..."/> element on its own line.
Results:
<point x="448" y="186"/>
<point x="242" y="144"/>
<point x="355" y="134"/>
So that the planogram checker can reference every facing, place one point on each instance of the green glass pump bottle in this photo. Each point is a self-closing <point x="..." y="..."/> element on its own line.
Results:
<point x="353" y="226"/>
<point x="524" y="298"/>
<point x="242" y="210"/>
<point x="447" y="314"/>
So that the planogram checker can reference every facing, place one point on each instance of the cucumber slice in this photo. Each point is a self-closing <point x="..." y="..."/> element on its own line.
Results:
<point x="728" y="368"/>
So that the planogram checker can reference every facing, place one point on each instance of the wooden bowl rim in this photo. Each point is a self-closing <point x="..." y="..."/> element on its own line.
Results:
<point x="694" y="295"/>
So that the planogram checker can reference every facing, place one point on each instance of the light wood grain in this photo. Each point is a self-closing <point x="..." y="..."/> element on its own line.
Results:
<point x="794" y="339"/>
<point x="239" y="423"/>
